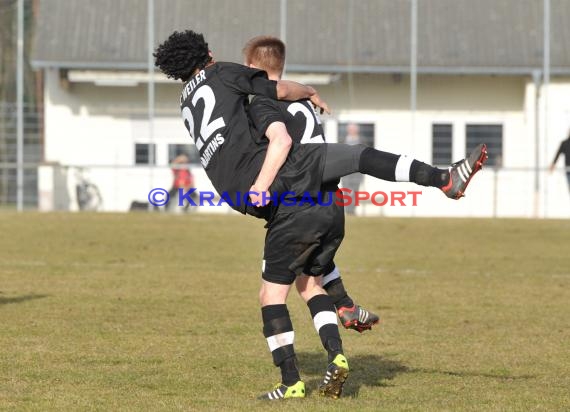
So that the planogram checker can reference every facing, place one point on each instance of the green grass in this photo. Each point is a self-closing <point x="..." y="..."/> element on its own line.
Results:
<point x="154" y="312"/>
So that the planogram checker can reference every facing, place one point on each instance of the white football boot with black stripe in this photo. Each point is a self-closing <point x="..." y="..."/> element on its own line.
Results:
<point x="460" y="173"/>
<point x="281" y="391"/>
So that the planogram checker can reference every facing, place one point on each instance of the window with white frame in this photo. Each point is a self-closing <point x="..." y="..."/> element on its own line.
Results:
<point x="187" y="149"/>
<point x="441" y="143"/>
<point x="356" y="133"/>
<point x="491" y="135"/>
<point x="142" y="153"/>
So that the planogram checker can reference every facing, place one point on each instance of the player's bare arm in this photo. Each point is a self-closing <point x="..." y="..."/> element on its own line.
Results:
<point x="279" y="145"/>
<point x="289" y="90"/>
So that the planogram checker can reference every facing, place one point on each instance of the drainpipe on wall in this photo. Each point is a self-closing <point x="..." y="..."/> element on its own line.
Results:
<point x="537" y="79"/>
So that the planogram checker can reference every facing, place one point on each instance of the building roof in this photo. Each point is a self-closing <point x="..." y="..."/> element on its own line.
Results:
<point x="454" y="36"/>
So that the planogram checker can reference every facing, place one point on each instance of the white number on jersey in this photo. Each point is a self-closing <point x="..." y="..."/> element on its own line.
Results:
<point x="207" y="128"/>
<point x="297" y="107"/>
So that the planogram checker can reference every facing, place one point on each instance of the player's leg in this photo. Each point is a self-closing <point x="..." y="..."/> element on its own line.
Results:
<point x="172" y="196"/>
<point x="323" y="313"/>
<point x="325" y="321"/>
<point x="342" y="160"/>
<point x="328" y="222"/>
<point x="277" y="326"/>
<point x="278" y="331"/>
<point x="352" y="316"/>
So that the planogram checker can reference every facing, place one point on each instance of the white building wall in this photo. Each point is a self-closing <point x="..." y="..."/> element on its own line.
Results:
<point x="556" y="102"/>
<point x="95" y="125"/>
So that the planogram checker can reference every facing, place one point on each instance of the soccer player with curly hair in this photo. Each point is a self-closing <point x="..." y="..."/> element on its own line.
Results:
<point x="260" y="159"/>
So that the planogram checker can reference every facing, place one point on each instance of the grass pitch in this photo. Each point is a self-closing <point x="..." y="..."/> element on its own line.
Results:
<point x="157" y="312"/>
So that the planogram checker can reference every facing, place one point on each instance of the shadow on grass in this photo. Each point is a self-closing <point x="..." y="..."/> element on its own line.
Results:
<point x="501" y="374"/>
<point x="378" y="371"/>
<point x="20" y="299"/>
<point x="368" y="370"/>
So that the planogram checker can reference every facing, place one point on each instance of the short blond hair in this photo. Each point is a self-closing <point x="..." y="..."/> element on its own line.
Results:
<point x="265" y="52"/>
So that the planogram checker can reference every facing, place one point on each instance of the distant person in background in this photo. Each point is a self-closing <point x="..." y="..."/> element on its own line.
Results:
<point x="565" y="150"/>
<point x="354" y="180"/>
<point x="88" y="195"/>
<point x="183" y="178"/>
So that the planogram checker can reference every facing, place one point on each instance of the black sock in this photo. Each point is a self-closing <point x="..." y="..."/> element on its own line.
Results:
<point x="379" y="164"/>
<point x="427" y="175"/>
<point x="324" y="319"/>
<point x="289" y="371"/>
<point x="339" y="296"/>
<point x="382" y="165"/>
<point x="277" y="323"/>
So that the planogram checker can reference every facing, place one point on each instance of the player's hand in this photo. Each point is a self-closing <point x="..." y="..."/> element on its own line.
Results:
<point x="257" y="197"/>
<point x="318" y="102"/>
<point x="551" y="169"/>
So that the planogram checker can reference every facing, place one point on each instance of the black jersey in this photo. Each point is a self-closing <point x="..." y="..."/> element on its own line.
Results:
<point x="213" y="105"/>
<point x="301" y="120"/>
<point x="303" y="238"/>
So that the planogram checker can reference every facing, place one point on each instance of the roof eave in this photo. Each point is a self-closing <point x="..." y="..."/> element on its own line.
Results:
<point x="309" y="68"/>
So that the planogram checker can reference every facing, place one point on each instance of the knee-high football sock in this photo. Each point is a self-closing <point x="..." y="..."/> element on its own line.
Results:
<point x="278" y="331"/>
<point x="401" y="168"/>
<point x="332" y="284"/>
<point x="343" y="159"/>
<point x="324" y="319"/>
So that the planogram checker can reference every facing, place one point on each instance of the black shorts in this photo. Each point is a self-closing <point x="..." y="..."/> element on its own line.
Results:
<point x="302" y="240"/>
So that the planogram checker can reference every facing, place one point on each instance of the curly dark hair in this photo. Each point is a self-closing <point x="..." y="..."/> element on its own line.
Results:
<point x="181" y="54"/>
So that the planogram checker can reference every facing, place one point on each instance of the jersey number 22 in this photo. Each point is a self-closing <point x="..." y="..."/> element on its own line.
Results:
<point x="207" y="128"/>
